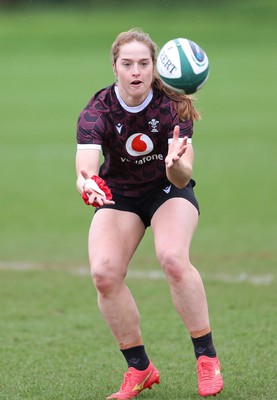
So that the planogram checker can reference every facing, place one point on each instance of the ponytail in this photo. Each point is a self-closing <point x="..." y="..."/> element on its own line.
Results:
<point x="183" y="103"/>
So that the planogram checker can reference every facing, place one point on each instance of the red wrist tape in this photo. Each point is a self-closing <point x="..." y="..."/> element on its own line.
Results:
<point x="103" y="186"/>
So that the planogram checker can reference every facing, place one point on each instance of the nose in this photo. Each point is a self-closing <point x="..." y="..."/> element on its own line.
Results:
<point x="136" y="71"/>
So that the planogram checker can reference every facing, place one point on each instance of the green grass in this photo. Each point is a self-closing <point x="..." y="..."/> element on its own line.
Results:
<point x="54" y="343"/>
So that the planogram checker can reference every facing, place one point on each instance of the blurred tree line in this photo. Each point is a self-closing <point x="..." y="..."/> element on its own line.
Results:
<point x="13" y="4"/>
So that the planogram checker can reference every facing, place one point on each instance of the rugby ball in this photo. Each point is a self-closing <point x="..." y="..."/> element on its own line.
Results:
<point x="183" y="65"/>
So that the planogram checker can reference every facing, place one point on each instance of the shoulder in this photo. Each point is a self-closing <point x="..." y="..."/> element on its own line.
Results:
<point x="98" y="106"/>
<point x="101" y="100"/>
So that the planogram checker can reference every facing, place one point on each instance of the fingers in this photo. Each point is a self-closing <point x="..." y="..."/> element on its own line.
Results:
<point x="168" y="162"/>
<point x="171" y="159"/>
<point x="99" y="199"/>
<point x="176" y="132"/>
<point x="185" y="141"/>
<point x="96" y="196"/>
<point x="183" y="147"/>
<point x="176" y="149"/>
<point x="92" y="198"/>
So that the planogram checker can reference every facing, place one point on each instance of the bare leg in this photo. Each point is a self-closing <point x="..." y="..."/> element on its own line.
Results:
<point x="173" y="226"/>
<point x="113" y="238"/>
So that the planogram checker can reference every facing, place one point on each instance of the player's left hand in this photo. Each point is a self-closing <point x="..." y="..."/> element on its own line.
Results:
<point x="176" y="148"/>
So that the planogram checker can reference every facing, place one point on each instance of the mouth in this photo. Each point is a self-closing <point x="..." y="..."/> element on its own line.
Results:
<point x="136" y="83"/>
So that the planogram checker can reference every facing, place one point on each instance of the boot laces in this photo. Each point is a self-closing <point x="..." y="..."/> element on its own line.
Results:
<point x="205" y="369"/>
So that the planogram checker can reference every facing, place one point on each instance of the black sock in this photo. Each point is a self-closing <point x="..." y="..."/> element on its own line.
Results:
<point x="136" y="357"/>
<point x="203" y="346"/>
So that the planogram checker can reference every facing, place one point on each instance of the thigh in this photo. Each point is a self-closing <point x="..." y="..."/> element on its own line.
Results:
<point x="113" y="238"/>
<point x="173" y="225"/>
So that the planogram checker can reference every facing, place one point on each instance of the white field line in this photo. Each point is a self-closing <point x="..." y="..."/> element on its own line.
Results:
<point x="254" y="279"/>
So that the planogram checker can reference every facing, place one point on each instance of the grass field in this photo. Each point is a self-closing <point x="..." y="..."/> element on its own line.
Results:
<point x="54" y="343"/>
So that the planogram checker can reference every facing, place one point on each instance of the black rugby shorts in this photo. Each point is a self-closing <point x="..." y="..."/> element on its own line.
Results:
<point x="145" y="206"/>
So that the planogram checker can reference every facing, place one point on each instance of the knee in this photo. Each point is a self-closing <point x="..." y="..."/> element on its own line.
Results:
<point x="174" y="266"/>
<point x="103" y="283"/>
<point x="105" y="276"/>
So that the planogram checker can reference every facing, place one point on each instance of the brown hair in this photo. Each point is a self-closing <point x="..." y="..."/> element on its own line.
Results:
<point x="182" y="102"/>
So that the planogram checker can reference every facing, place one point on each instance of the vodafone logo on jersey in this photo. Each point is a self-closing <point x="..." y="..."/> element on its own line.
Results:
<point x="139" y="144"/>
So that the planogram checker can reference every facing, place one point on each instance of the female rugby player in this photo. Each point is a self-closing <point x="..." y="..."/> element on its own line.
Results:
<point x="144" y="132"/>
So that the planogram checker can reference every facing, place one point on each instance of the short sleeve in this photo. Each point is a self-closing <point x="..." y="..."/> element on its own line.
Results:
<point x="90" y="128"/>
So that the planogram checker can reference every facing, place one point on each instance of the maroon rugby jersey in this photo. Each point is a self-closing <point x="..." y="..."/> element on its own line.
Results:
<point x="134" y="140"/>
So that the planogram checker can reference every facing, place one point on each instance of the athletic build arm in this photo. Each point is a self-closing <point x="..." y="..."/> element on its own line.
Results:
<point x="179" y="160"/>
<point x="87" y="165"/>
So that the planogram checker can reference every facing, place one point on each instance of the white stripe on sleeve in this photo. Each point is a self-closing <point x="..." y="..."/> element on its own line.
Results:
<point x="89" y="146"/>
<point x="189" y="141"/>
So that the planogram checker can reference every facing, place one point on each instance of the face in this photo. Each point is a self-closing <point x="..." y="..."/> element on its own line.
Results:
<point x="134" y="71"/>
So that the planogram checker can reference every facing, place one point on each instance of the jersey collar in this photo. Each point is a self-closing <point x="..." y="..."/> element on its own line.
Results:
<point x="134" y="109"/>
